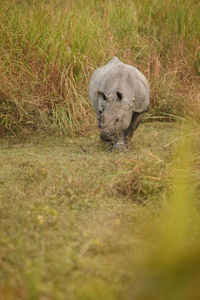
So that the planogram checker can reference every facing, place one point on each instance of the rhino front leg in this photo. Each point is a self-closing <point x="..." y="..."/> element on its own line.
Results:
<point x="99" y="123"/>
<point x="119" y="141"/>
<point x="135" y="122"/>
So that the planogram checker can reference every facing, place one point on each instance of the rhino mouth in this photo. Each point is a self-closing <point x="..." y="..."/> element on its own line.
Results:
<point x="107" y="136"/>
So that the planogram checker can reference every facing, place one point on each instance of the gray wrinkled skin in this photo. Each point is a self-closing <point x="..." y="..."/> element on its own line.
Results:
<point x="120" y="97"/>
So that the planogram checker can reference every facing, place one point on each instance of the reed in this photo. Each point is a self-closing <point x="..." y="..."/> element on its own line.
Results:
<point x="49" y="49"/>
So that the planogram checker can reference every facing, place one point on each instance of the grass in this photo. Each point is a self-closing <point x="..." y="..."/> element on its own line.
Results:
<point x="49" y="50"/>
<point x="77" y="219"/>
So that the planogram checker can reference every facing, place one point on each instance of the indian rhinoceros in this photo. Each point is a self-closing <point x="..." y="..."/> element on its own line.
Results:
<point x="120" y="97"/>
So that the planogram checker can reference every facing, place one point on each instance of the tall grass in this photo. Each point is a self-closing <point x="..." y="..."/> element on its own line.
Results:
<point x="49" y="49"/>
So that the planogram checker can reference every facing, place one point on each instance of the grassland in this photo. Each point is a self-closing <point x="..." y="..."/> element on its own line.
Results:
<point x="77" y="220"/>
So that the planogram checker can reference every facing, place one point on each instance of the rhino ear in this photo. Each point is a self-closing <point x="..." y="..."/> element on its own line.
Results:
<point x="101" y="95"/>
<point x="119" y="96"/>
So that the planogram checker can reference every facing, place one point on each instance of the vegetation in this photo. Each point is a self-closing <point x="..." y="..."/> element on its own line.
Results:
<point x="79" y="221"/>
<point x="49" y="49"/>
<point x="82" y="222"/>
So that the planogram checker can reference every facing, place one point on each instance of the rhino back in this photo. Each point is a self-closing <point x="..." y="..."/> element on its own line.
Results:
<point x="141" y="89"/>
<point x="119" y="77"/>
<point x="99" y="75"/>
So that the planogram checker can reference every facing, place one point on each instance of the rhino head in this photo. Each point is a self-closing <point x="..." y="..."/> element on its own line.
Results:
<point x="116" y="117"/>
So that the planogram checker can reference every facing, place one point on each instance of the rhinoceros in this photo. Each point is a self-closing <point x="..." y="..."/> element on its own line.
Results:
<point x="120" y="96"/>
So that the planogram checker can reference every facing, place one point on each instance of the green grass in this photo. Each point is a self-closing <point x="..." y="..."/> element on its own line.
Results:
<point x="77" y="220"/>
<point x="49" y="49"/>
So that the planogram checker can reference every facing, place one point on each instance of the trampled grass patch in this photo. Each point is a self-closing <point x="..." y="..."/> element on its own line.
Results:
<point x="64" y="217"/>
<point x="76" y="217"/>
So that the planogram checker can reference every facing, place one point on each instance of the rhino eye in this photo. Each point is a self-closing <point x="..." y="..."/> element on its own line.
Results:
<point x="116" y="119"/>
